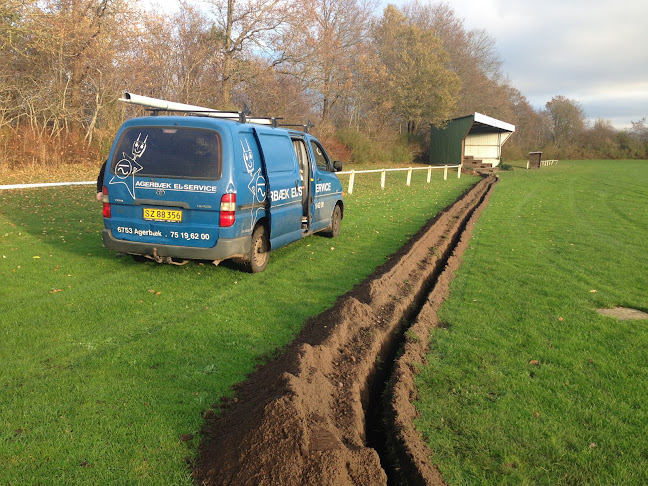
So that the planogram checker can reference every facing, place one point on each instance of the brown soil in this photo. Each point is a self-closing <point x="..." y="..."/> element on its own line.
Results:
<point x="300" y="419"/>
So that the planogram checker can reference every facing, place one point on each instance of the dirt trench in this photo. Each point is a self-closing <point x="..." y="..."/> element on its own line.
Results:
<point x="302" y="418"/>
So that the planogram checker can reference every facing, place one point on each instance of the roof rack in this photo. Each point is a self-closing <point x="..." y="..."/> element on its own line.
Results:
<point x="305" y="127"/>
<point x="157" y="105"/>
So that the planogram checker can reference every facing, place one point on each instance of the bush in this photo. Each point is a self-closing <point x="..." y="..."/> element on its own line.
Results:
<point x="366" y="151"/>
<point x="23" y="147"/>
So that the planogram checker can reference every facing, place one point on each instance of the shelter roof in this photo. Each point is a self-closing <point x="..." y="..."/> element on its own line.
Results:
<point x="485" y="124"/>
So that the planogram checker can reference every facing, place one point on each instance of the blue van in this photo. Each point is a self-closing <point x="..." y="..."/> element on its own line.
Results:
<point x="179" y="188"/>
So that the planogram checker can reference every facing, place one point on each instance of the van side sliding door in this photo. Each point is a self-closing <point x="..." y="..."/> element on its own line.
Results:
<point x="284" y="186"/>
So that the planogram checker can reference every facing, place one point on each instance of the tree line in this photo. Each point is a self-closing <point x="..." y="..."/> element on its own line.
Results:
<point x="371" y="81"/>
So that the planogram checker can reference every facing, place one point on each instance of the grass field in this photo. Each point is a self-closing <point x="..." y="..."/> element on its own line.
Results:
<point x="526" y="383"/>
<point x="107" y="364"/>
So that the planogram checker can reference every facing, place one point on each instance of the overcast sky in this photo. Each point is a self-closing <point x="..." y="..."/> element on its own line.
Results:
<point x="592" y="51"/>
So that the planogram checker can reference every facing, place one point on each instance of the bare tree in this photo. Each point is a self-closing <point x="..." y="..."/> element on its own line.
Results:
<point x="243" y="27"/>
<point x="324" y="46"/>
<point x="270" y="93"/>
<point x="60" y="49"/>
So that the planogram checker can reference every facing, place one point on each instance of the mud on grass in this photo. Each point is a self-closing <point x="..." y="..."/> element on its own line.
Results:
<point x="300" y="419"/>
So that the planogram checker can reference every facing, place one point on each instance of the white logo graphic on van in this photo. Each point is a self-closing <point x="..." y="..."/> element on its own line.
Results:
<point x="257" y="185"/>
<point x="248" y="157"/>
<point x="128" y="166"/>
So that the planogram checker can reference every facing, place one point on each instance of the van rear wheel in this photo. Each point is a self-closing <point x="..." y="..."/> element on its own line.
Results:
<point x="259" y="251"/>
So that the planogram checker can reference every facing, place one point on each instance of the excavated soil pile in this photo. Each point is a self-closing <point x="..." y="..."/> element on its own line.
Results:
<point x="300" y="419"/>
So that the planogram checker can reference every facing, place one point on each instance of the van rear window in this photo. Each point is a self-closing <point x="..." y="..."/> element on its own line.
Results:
<point x="173" y="152"/>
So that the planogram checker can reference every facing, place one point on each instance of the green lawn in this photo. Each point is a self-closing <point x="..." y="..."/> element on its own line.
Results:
<point x="106" y="363"/>
<point x="526" y="383"/>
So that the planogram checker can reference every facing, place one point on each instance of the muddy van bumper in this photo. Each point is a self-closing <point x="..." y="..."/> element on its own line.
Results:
<point x="225" y="248"/>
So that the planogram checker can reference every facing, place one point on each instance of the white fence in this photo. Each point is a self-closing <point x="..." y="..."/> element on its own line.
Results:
<point x="350" y="173"/>
<point x="383" y="173"/>
<point x="46" y="184"/>
<point x="545" y="163"/>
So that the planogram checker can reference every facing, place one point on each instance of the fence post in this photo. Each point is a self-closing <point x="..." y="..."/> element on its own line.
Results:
<point x="445" y="173"/>
<point x="459" y="173"/>
<point x="429" y="174"/>
<point x="409" y="176"/>
<point x="351" y="179"/>
<point x="382" y="180"/>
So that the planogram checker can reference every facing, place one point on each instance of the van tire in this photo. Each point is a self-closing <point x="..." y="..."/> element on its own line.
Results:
<point x="259" y="251"/>
<point x="336" y="222"/>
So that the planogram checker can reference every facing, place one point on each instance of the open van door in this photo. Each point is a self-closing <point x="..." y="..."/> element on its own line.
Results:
<point x="326" y="187"/>
<point x="284" y="186"/>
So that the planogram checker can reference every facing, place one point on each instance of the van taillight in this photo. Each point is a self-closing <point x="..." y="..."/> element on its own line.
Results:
<point x="106" y="204"/>
<point x="228" y="210"/>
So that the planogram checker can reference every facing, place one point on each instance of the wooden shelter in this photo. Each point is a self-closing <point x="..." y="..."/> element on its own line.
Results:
<point x="475" y="141"/>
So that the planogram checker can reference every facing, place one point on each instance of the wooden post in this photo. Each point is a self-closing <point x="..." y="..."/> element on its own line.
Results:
<point x="351" y="180"/>
<point x="429" y="174"/>
<point x="382" y="180"/>
<point x="409" y="176"/>
<point x="459" y="173"/>
<point x="445" y="173"/>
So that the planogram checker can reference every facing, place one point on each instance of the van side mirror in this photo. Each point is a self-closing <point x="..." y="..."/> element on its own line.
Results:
<point x="337" y="165"/>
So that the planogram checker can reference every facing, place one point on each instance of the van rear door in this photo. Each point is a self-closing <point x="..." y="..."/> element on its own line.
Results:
<point x="284" y="185"/>
<point x="164" y="185"/>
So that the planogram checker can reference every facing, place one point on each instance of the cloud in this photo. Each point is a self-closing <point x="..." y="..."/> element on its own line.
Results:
<point x="594" y="52"/>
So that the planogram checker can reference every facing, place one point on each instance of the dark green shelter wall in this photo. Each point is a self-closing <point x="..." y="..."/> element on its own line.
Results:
<point x="446" y="143"/>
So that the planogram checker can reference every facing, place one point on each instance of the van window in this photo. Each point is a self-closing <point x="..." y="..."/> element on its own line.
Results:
<point x="321" y="159"/>
<point x="173" y="152"/>
<point x="302" y="158"/>
<point x="278" y="152"/>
